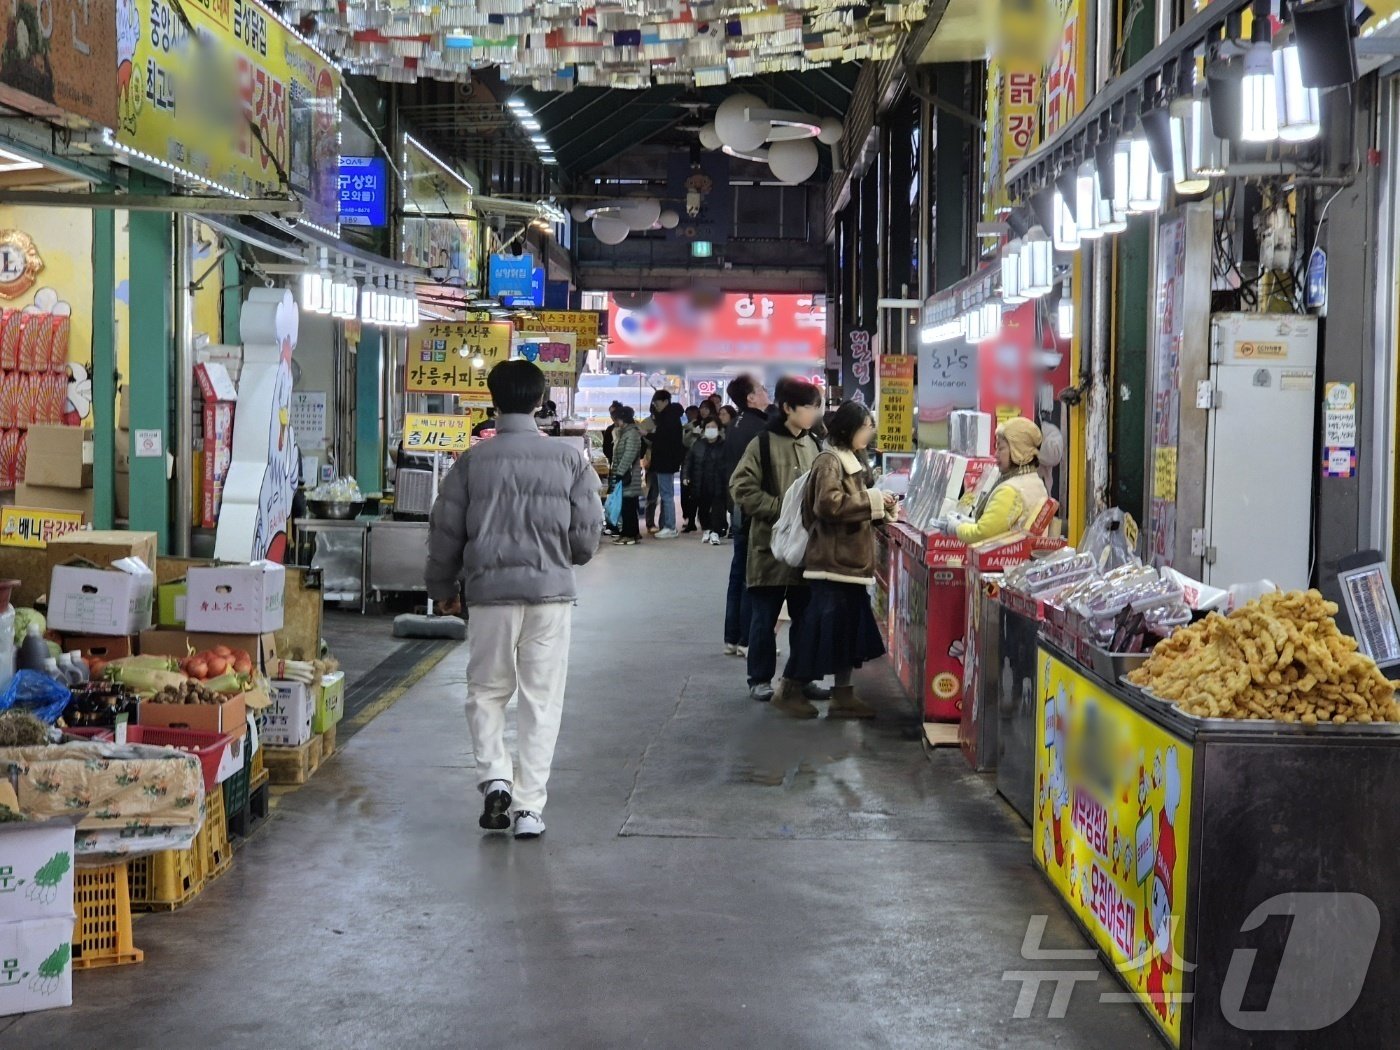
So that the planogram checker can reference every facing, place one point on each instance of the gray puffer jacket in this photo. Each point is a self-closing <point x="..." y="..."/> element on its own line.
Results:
<point x="513" y="518"/>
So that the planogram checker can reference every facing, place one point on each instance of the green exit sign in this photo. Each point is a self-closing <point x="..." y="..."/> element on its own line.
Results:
<point x="701" y="249"/>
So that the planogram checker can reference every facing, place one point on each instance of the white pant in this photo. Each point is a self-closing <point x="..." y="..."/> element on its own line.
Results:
<point x="524" y="650"/>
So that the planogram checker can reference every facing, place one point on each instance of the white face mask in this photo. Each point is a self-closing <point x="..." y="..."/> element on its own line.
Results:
<point x="711" y="433"/>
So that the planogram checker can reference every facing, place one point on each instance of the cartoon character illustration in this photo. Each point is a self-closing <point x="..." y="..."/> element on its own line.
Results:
<point x="1056" y="721"/>
<point x="78" y="405"/>
<point x="131" y="84"/>
<point x="1158" y="918"/>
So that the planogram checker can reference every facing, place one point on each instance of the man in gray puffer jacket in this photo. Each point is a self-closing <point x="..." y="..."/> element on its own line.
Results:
<point x="513" y="518"/>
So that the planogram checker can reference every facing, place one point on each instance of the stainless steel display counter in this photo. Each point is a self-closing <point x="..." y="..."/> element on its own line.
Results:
<point x="391" y="554"/>
<point x="1238" y="875"/>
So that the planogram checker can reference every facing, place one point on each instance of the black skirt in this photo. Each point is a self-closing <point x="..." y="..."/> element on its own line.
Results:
<point x="837" y="632"/>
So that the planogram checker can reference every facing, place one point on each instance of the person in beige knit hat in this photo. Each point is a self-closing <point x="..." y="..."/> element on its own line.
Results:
<point x="1019" y="493"/>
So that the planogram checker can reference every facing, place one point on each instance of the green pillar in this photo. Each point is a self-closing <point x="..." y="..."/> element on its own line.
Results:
<point x="369" y="455"/>
<point x="104" y="366"/>
<point x="152" y="359"/>
<point x="232" y="300"/>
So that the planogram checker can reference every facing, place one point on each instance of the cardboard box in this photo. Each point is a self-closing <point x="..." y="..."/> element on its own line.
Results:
<point x="36" y="870"/>
<point x="179" y="644"/>
<point x="103" y="548"/>
<point x="330" y="702"/>
<point x="110" y="647"/>
<point x="228" y="717"/>
<point x="36" y="965"/>
<point x="287" y="723"/>
<point x="237" y="599"/>
<point x="170" y="603"/>
<point x="101" y="601"/>
<point x="45" y="497"/>
<point x="59" y="457"/>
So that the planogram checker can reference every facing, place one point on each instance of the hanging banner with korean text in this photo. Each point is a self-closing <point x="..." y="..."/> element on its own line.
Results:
<point x="896" y="413"/>
<point x="441" y="357"/>
<point x="858" y="365"/>
<point x="1013" y="123"/>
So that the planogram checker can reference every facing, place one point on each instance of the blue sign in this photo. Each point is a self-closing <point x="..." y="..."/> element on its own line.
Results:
<point x="1315" y="297"/>
<point x="510" y="276"/>
<point x="364" y="191"/>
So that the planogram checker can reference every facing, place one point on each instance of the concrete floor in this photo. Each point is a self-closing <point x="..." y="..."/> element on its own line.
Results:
<point x="713" y="876"/>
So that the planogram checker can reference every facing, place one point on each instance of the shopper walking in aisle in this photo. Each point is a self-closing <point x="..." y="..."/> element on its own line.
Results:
<point x="781" y="454"/>
<point x="690" y="433"/>
<point x="626" y="470"/>
<point x="838" y="633"/>
<point x="667" y="458"/>
<point x="513" y="518"/>
<point x="704" y="479"/>
<point x="748" y="392"/>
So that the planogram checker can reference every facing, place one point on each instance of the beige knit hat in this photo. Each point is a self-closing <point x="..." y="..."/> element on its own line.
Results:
<point x="1022" y="439"/>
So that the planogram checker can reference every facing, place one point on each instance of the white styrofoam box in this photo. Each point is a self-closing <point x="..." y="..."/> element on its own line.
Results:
<point x="287" y="723"/>
<point x="36" y="965"/>
<point x="115" y="601"/>
<point x="36" y="870"/>
<point x="235" y="599"/>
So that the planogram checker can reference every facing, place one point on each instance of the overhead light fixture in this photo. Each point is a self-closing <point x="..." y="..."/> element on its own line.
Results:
<point x="1089" y="201"/>
<point x="1043" y="206"/>
<point x="1225" y="88"/>
<point x="1037" y="264"/>
<point x="1064" y="314"/>
<point x="1111" y="218"/>
<point x="14" y="162"/>
<point x="1011" y="293"/>
<point x="1260" y="106"/>
<point x="1122" y="179"/>
<point x="517" y="104"/>
<point x="1190" y="120"/>
<point x="1144" y="178"/>
<point x="983" y="322"/>
<point x="1156" y="127"/>
<point x="1299" y="107"/>
<point x="1326" y="44"/>
<point x="941" y="332"/>
<point x="1066" y="233"/>
<point x="530" y="124"/>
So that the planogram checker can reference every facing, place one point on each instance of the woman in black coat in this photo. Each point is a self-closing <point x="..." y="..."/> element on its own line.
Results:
<point x="705" y="478"/>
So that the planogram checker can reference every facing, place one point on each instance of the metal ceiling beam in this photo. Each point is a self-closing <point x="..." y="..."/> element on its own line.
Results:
<point x="629" y="132"/>
<point x="585" y="107"/>
<point x="143" y="202"/>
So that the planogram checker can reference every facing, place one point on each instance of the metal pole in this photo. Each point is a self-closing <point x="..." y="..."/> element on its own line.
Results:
<point x="184" y="386"/>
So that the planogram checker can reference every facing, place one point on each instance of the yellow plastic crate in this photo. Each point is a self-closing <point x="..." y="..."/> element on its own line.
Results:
<point x="102" y="932"/>
<point x="166" y="880"/>
<point x="212" y="843"/>
<point x="257" y="769"/>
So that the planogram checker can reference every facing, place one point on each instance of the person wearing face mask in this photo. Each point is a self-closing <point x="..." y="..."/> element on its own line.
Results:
<point x="705" y="483"/>
<point x="782" y="453"/>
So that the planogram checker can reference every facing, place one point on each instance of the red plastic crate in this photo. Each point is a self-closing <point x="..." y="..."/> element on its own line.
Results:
<point x="207" y="747"/>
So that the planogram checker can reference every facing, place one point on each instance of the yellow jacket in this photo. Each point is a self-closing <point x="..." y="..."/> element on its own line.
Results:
<point x="1012" y="505"/>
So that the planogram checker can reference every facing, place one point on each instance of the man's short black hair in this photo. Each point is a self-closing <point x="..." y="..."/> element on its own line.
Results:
<point x="517" y="387"/>
<point x="739" y="389"/>
<point x="661" y="395"/>
<point x="796" y="393"/>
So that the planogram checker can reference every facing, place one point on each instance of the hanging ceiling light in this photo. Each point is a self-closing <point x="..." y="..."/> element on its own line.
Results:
<point x="1111" y="219"/>
<point x="1298" y="105"/>
<point x="1190" y="127"/>
<point x="1064" y="314"/>
<point x="1326" y="43"/>
<point x="1011" y="291"/>
<point x="1037" y="264"/>
<point x="1144" y="179"/>
<point x="367" y="302"/>
<point x="1090" y="202"/>
<point x="984" y="322"/>
<point x="1122" y="178"/>
<point x="1260" y="107"/>
<point x="1156" y="127"/>
<point x="1066" y="233"/>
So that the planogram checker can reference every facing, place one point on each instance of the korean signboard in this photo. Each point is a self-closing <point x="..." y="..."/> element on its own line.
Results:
<point x="285" y="116"/>
<point x="364" y="191"/>
<point x="428" y="433"/>
<point x="1065" y="77"/>
<point x="582" y="323"/>
<point x="441" y="356"/>
<point x="27" y="527"/>
<point x="772" y="328"/>
<point x="858" y="365"/>
<point x="1013" y="120"/>
<point x="59" y="58"/>
<point x="555" y="355"/>
<point x="896" y="412"/>
<point x="1112" y="831"/>
<point x="439" y="231"/>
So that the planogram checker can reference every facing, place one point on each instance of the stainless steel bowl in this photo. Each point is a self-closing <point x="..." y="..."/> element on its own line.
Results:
<point x="335" y="511"/>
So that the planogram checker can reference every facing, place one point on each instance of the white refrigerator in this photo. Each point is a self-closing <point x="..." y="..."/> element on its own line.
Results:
<point x="1260" y="455"/>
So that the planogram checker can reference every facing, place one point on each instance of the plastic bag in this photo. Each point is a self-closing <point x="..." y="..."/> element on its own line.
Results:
<point x="1107" y="541"/>
<point x="37" y="694"/>
<point x="612" y="508"/>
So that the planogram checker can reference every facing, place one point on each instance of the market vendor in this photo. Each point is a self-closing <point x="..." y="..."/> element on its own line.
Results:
<point x="1019" y="493"/>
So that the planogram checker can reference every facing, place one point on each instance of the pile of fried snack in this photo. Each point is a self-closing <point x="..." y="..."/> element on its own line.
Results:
<point x="1280" y="657"/>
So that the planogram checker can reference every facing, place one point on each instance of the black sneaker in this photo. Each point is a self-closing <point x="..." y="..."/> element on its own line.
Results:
<point x="495" y="815"/>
